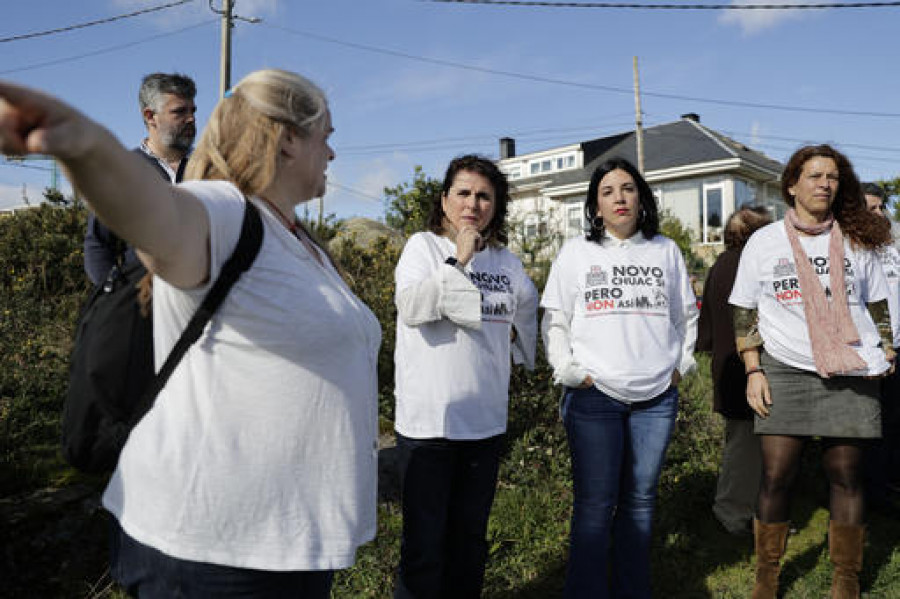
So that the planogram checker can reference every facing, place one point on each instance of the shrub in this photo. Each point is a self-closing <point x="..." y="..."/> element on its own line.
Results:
<point x="42" y="286"/>
<point x="370" y="271"/>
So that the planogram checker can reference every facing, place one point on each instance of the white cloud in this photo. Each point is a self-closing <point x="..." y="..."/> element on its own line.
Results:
<point x="754" y="21"/>
<point x="755" y="132"/>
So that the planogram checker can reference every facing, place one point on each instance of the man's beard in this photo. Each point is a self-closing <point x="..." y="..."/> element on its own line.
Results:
<point x="180" y="139"/>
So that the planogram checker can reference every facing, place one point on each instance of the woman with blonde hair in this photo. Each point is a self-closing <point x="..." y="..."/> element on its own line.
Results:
<point x="253" y="474"/>
<point x="812" y="326"/>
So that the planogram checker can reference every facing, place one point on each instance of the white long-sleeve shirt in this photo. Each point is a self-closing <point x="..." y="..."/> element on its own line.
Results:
<point x="621" y="311"/>
<point x="452" y="356"/>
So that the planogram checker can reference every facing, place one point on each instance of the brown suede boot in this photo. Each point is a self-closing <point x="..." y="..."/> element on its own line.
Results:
<point x="845" y="544"/>
<point x="770" y="540"/>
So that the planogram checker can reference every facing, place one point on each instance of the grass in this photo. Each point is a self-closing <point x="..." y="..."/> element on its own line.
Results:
<point x="56" y="548"/>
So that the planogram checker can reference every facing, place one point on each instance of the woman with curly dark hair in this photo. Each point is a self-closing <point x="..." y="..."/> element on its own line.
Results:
<point x="826" y="336"/>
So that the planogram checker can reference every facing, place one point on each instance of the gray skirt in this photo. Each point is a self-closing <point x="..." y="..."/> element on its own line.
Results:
<point x="805" y="404"/>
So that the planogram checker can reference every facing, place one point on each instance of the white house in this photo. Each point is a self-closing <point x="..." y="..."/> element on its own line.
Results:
<point x="698" y="175"/>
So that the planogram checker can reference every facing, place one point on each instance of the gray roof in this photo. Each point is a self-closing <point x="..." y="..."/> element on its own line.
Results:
<point x="681" y="143"/>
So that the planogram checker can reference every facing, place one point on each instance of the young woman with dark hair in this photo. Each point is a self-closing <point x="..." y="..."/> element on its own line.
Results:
<point x="619" y="327"/>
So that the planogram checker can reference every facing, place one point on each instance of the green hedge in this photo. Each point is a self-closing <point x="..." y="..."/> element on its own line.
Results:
<point x="42" y="286"/>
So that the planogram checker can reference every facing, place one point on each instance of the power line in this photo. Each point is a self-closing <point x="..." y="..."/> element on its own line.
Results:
<point x="480" y="138"/>
<point x="656" y="6"/>
<point x="580" y="85"/>
<point x="759" y="141"/>
<point x="362" y="194"/>
<point x="106" y="50"/>
<point x="25" y="36"/>
<point x="798" y="140"/>
<point x="33" y="167"/>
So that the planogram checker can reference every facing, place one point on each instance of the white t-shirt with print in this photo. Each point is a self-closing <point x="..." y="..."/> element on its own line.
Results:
<point x="767" y="280"/>
<point x="452" y="356"/>
<point x="260" y="450"/>
<point x="890" y="264"/>
<point x="631" y="314"/>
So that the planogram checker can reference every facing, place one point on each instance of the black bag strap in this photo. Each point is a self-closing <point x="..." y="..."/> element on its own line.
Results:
<point x="242" y="259"/>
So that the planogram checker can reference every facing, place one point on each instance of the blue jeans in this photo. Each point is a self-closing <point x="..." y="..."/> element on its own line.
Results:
<point x="147" y="573"/>
<point x="447" y="492"/>
<point x="617" y="454"/>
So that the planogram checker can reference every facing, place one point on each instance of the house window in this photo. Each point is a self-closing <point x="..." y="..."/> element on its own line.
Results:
<point x="534" y="227"/>
<point x="564" y="162"/>
<point x="744" y="193"/>
<point x="514" y="173"/>
<point x="546" y="165"/>
<point x="711" y="216"/>
<point x="574" y="224"/>
<point x="535" y="168"/>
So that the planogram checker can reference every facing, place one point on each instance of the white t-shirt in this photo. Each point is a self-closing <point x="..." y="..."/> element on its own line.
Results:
<point x="260" y="451"/>
<point x="452" y="358"/>
<point x="890" y="264"/>
<point x="622" y="312"/>
<point x="767" y="280"/>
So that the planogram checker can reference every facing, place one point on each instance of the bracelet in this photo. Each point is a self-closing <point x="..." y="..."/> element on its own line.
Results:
<point x="755" y="370"/>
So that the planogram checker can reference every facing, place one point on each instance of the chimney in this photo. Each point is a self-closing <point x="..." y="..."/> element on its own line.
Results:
<point x="507" y="147"/>
<point x="691" y="116"/>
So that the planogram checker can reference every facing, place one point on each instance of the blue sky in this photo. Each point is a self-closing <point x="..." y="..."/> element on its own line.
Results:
<point x="398" y="101"/>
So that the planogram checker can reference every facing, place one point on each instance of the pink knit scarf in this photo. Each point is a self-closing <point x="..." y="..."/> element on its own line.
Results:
<point x="831" y="329"/>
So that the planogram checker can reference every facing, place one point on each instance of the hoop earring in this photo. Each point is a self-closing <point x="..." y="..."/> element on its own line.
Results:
<point x="597" y="223"/>
<point x="642" y="215"/>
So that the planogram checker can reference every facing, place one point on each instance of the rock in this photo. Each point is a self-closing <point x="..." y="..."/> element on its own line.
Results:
<point x="364" y="231"/>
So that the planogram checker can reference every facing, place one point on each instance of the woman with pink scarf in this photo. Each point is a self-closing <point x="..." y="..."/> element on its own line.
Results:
<point x="814" y="340"/>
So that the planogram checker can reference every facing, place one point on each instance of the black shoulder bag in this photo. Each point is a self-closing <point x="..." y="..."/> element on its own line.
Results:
<point x="111" y="377"/>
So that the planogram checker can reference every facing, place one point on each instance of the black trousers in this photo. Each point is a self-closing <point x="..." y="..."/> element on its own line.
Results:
<point x="147" y="573"/>
<point x="447" y="492"/>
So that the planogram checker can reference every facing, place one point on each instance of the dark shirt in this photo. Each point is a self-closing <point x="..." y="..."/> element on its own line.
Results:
<point x="715" y="333"/>
<point x="102" y="247"/>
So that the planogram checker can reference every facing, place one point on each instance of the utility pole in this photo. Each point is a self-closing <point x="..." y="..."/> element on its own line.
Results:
<point x="225" y="59"/>
<point x="228" y="19"/>
<point x="639" y="121"/>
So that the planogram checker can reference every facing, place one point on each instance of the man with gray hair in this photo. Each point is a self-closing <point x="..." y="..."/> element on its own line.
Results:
<point x="168" y="109"/>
